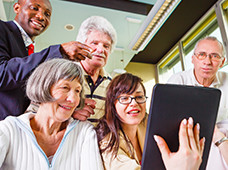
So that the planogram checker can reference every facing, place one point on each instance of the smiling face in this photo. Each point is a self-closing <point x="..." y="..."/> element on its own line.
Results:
<point x="101" y="44"/>
<point x="67" y="97"/>
<point x="33" y="16"/>
<point x="132" y="113"/>
<point x="206" y="69"/>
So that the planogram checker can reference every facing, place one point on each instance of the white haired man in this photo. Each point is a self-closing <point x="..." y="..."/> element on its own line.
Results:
<point x="208" y="57"/>
<point x="99" y="34"/>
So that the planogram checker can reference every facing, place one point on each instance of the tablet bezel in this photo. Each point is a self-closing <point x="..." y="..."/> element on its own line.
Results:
<point x="164" y="118"/>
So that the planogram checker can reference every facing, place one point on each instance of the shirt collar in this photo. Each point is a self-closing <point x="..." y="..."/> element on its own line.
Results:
<point x="216" y="81"/>
<point x="102" y="72"/>
<point x="27" y="40"/>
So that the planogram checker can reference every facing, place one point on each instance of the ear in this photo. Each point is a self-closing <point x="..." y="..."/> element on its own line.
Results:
<point x="16" y="7"/>
<point x="223" y="61"/>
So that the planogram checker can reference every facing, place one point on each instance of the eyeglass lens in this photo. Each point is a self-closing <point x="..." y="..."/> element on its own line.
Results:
<point x="128" y="99"/>
<point x="203" y="55"/>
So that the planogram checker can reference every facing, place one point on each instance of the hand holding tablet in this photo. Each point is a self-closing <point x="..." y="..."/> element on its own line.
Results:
<point x="190" y="150"/>
<point x="171" y="104"/>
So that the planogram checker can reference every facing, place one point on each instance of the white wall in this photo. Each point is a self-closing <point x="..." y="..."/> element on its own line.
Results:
<point x="2" y="11"/>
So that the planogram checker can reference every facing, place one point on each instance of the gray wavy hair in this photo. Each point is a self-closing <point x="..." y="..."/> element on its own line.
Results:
<point x="47" y="74"/>
<point x="97" y="23"/>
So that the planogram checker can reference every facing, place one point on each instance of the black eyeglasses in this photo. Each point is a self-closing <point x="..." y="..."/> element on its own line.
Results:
<point x="128" y="99"/>
<point x="212" y="56"/>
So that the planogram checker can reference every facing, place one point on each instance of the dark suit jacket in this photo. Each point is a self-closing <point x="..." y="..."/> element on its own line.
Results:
<point x="15" y="68"/>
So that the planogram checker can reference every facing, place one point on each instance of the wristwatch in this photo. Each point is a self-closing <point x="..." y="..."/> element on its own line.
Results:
<point x="221" y="140"/>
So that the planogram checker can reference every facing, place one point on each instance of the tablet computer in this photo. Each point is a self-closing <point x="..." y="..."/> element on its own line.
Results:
<point x="169" y="105"/>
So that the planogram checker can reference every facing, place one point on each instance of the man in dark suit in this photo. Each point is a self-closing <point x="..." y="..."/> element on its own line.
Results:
<point x="32" y="18"/>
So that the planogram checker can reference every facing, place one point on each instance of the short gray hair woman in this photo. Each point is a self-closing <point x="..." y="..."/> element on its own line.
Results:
<point x="50" y="138"/>
<point x="97" y="23"/>
<point x="49" y="73"/>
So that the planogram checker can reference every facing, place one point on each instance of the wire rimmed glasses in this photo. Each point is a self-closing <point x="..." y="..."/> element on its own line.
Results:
<point x="212" y="56"/>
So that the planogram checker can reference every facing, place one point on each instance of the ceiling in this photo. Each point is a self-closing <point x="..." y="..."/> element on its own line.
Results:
<point x="127" y="16"/>
<point x="187" y="13"/>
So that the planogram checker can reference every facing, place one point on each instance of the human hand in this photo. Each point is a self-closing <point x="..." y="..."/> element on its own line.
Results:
<point x="86" y="111"/>
<point x="217" y="134"/>
<point x="189" y="154"/>
<point x="222" y="145"/>
<point x="75" y="50"/>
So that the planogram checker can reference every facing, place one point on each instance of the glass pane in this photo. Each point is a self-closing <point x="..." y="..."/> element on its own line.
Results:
<point x="216" y="33"/>
<point x="169" y="69"/>
<point x="188" y="60"/>
<point x="224" y="68"/>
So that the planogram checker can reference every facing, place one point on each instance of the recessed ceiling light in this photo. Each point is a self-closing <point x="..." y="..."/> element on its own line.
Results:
<point x="69" y="27"/>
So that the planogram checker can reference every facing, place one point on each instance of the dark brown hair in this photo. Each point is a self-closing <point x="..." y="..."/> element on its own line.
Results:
<point x="110" y="123"/>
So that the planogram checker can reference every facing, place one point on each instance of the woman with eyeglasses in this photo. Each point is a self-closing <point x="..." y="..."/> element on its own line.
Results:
<point x="121" y="131"/>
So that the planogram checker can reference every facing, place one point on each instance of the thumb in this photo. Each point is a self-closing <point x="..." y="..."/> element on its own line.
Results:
<point x="163" y="147"/>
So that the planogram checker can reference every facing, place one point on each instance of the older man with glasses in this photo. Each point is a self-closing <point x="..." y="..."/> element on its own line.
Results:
<point x="208" y="58"/>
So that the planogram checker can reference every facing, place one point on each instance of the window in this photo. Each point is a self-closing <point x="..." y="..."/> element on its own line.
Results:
<point x="207" y="26"/>
<point x="170" y="66"/>
<point x="225" y="7"/>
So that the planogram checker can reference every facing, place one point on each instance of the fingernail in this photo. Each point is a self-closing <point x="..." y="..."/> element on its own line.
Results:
<point x="204" y="139"/>
<point x="190" y="121"/>
<point x="185" y="121"/>
<point x="198" y="126"/>
<point x="157" y="139"/>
